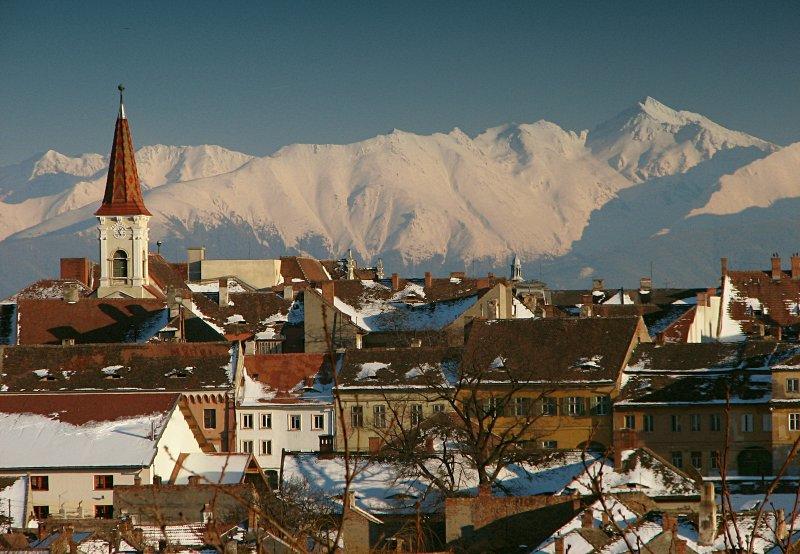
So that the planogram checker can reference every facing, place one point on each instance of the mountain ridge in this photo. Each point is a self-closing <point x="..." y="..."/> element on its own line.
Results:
<point x="444" y="199"/>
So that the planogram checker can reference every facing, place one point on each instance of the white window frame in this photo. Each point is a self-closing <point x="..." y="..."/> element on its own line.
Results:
<point x="416" y="414"/>
<point x="247" y="447"/>
<point x="648" y="423"/>
<point x="695" y="422"/>
<point x="794" y="422"/>
<point x="265" y="421"/>
<point x="379" y="416"/>
<point x="792" y="384"/>
<point x="550" y="444"/>
<point x="314" y="419"/>
<point x="295" y="418"/>
<point x="266" y="448"/>
<point x="247" y="421"/>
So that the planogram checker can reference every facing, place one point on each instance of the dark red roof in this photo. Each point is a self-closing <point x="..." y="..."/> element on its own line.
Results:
<point x="79" y="409"/>
<point x="90" y="320"/>
<point x="166" y="274"/>
<point x="282" y="372"/>
<point x="153" y="366"/>
<point x="306" y="269"/>
<point x="123" y="195"/>
<point x="254" y="308"/>
<point x="780" y="297"/>
<point x="550" y="349"/>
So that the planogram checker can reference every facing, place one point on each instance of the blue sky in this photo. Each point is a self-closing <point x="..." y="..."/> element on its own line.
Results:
<point x="256" y="76"/>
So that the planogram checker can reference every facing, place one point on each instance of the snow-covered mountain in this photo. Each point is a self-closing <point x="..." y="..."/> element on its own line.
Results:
<point x="443" y="200"/>
<point x="652" y="140"/>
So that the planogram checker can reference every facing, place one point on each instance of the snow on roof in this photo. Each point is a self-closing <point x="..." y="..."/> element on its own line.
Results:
<point x="381" y="490"/>
<point x="617" y="299"/>
<point x="381" y="314"/>
<point x="370" y="369"/>
<point x="641" y="471"/>
<point x="13" y="495"/>
<point x="221" y="469"/>
<point x="67" y="437"/>
<point x="622" y="515"/>
<point x="521" y="311"/>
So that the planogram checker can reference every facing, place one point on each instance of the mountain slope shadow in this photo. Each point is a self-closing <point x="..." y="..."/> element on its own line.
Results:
<point x="654" y="207"/>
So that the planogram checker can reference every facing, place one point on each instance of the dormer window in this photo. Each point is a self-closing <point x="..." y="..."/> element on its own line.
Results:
<point x="120" y="265"/>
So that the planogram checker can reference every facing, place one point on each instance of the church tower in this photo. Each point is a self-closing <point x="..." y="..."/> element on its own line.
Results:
<point x="123" y="221"/>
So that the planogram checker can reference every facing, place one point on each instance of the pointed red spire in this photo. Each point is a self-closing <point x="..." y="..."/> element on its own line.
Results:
<point x="123" y="193"/>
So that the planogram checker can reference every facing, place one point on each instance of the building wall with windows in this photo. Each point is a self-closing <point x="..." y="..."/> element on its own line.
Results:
<point x="693" y="436"/>
<point x="561" y="415"/>
<point x="266" y="430"/>
<point x="785" y="408"/>
<point x="375" y="416"/>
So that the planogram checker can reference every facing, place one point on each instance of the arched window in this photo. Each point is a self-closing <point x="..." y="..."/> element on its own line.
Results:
<point x="120" y="265"/>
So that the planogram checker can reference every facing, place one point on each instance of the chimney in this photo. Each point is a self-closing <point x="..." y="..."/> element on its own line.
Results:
<point x="776" y="267"/>
<point x="795" y="265"/>
<point x="701" y="299"/>
<point x="72" y="294"/>
<point x="194" y="480"/>
<point x="668" y="522"/>
<point x="586" y="305"/>
<point x="723" y="263"/>
<point x="707" y="515"/>
<point x="157" y="480"/>
<point x="328" y="291"/>
<point x="645" y="284"/>
<point x="288" y="292"/>
<point x="395" y="282"/>
<point x="194" y="257"/>
<point x="137" y="480"/>
<point x="428" y="280"/>
<point x="558" y="546"/>
<point x="79" y="269"/>
<point x="597" y="285"/>
<point x="223" y="291"/>
<point x="587" y="519"/>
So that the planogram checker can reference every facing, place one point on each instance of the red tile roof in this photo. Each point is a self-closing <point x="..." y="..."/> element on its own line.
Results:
<point x="780" y="297"/>
<point x="282" y="372"/>
<point x="79" y="409"/>
<point x="123" y="194"/>
<point x="90" y="320"/>
<point x="306" y="269"/>
<point x="152" y="366"/>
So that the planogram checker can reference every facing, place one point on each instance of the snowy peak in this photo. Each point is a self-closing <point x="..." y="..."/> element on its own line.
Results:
<point x="53" y="162"/>
<point x="651" y="140"/>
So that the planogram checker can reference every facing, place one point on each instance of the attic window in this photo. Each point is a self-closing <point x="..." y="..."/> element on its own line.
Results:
<point x="112" y="372"/>
<point x="179" y="373"/>
<point x="44" y="375"/>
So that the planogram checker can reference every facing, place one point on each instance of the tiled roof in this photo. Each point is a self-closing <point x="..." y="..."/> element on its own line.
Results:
<point x="89" y="320"/>
<point x="165" y="274"/>
<point x="398" y="367"/>
<point x="304" y="269"/>
<point x="702" y="356"/>
<point x="736" y="386"/>
<point x="550" y="349"/>
<point x="123" y="194"/>
<point x="48" y="288"/>
<point x="248" y="312"/>
<point x="80" y="409"/>
<point x="282" y="372"/>
<point x="657" y="296"/>
<point x="152" y="366"/>
<point x="175" y="504"/>
<point x="703" y="372"/>
<point x="756" y="290"/>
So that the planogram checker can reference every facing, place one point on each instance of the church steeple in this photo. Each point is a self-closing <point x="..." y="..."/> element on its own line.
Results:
<point x="123" y="220"/>
<point x="123" y="194"/>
